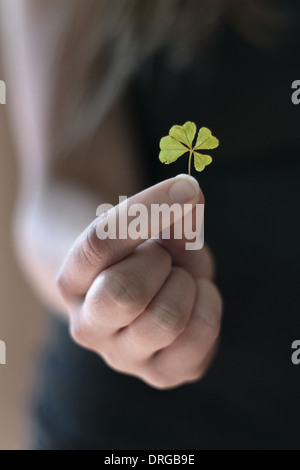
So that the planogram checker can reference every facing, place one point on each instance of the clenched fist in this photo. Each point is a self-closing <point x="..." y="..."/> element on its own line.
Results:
<point x="147" y="307"/>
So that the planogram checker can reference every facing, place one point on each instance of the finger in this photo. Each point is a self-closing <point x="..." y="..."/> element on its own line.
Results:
<point x="91" y="255"/>
<point x="187" y="358"/>
<point x="163" y="320"/>
<point x="186" y="243"/>
<point x="200" y="264"/>
<point x="123" y="291"/>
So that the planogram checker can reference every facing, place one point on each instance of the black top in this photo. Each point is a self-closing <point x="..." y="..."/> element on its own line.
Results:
<point x="249" y="398"/>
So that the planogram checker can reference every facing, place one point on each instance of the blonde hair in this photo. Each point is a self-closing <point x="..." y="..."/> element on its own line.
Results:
<point x="106" y="40"/>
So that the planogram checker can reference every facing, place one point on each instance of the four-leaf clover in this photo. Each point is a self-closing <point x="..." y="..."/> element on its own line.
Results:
<point x="180" y="140"/>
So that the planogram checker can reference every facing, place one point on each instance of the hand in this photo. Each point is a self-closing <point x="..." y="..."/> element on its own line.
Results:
<point x="148" y="308"/>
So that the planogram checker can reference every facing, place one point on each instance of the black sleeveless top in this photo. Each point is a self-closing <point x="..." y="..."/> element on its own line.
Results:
<point x="249" y="399"/>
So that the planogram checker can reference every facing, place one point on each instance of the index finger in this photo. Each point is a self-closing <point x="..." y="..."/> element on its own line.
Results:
<point x="90" y="255"/>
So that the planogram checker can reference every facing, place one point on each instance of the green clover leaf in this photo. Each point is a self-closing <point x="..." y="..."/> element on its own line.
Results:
<point x="180" y="140"/>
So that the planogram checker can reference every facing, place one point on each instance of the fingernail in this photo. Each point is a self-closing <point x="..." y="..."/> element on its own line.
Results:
<point x="185" y="189"/>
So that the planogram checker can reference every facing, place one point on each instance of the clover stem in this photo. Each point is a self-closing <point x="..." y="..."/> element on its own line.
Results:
<point x="190" y="162"/>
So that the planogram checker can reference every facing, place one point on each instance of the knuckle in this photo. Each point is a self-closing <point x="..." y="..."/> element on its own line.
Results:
<point x="62" y="284"/>
<point x="80" y="333"/>
<point x="161" y="252"/>
<point x="119" y="363"/>
<point x="185" y="276"/>
<point x="212" y="328"/>
<point x="141" y="337"/>
<point x="110" y="361"/>
<point x="163" y="381"/>
<point x="94" y="313"/>
<point x="94" y="250"/>
<point x="215" y="331"/>
<point x="196" y="373"/>
<point x="136" y="336"/>
<point x="187" y="283"/>
<point x="212" y="316"/>
<point x="160" y="383"/>
<point x="124" y="288"/>
<point x="168" y="317"/>
<point x="195" y="377"/>
<point x="198" y="370"/>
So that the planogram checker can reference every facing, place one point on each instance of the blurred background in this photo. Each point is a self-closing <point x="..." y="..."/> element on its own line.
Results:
<point x="22" y="324"/>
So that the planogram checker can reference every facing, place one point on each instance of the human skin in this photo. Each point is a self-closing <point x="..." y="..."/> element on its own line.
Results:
<point x="149" y="309"/>
<point x="160" y="324"/>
